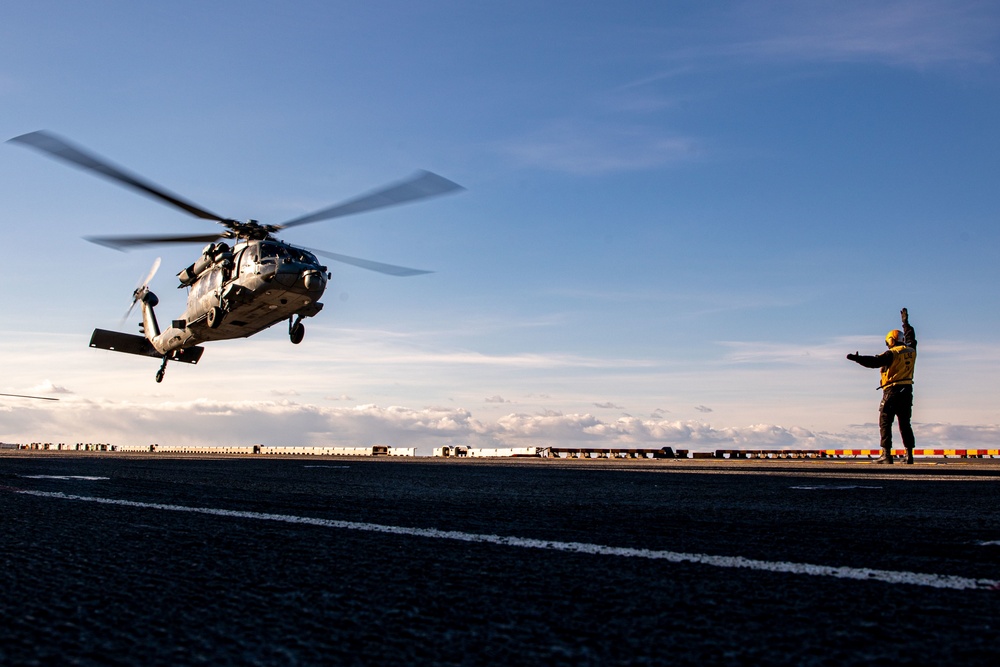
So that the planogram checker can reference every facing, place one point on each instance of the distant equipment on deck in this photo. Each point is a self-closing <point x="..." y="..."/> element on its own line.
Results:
<point x="235" y="289"/>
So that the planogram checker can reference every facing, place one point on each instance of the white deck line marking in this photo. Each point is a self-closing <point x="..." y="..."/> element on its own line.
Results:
<point x="829" y="487"/>
<point x="84" y="477"/>
<point x="864" y="574"/>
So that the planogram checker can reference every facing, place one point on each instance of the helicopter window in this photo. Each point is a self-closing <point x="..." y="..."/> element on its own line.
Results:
<point x="289" y="254"/>
<point x="273" y="250"/>
<point x="246" y="261"/>
<point x="271" y="253"/>
<point x="206" y="284"/>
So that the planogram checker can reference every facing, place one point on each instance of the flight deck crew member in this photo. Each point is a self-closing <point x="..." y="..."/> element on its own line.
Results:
<point x="896" y="364"/>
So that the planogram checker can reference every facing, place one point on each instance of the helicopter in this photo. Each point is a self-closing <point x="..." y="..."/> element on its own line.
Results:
<point x="246" y="279"/>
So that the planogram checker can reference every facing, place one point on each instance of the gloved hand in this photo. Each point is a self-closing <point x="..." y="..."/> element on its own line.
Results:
<point x="854" y="357"/>
<point x="904" y="315"/>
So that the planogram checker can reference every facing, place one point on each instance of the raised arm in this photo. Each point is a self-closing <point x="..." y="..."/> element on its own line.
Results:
<point x="909" y="336"/>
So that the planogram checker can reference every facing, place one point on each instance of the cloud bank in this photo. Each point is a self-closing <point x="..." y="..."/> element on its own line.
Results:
<point x="286" y="423"/>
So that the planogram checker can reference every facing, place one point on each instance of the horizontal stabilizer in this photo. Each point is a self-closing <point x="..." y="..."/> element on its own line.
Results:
<point x="117" y="341"/>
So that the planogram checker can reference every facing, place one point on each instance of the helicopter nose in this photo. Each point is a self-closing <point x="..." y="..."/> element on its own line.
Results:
<point x="315" y="281"/>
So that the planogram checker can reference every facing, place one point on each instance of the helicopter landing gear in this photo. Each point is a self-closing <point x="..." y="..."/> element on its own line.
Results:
<point x="163" y="369"/>
<point x="296" y="330"/>
<point x="215" y="317"/>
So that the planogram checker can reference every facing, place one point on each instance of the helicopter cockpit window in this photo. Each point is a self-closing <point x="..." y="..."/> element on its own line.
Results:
<point x="272" y="251"/>
<point x="268" y="253"/>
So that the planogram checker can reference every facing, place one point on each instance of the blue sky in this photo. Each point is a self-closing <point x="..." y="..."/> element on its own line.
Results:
<point x="679" y="218"/>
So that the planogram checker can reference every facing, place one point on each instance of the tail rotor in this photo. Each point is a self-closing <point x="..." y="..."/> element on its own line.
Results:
<point x="142" y="290"/>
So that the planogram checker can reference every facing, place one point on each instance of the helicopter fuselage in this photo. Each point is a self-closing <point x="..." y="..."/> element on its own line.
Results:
<point x="235" y="292"/>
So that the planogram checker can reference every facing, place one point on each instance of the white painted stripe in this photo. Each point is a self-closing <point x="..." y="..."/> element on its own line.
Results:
<point x="84" y="477"/>
<point x="829" y="487"/>
<point x="865" y="574"/>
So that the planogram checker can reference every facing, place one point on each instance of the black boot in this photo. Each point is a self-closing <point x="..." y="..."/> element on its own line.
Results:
<point x="908" y="459"/>
<point x="886" y="457"/>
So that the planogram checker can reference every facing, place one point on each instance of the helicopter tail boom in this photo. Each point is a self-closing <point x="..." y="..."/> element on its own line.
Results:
<point x="117" y="341"/>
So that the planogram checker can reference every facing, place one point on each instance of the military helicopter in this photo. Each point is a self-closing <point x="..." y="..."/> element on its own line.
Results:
<point x="245" y="279"/>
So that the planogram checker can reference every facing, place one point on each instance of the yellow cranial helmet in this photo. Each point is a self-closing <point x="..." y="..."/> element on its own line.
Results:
<point x="893" y="337"/>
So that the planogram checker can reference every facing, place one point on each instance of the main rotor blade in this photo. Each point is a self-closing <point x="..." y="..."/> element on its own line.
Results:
<point x="128" y="242"/>
<point x="63" y="150"/>
<point x="421" y="185"/>
<point x="389" y="269"/>
<point x="40" y="398"/>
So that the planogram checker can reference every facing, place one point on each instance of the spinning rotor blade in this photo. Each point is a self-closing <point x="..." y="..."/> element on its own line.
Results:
<point x="152" y="272"/>
<point x="138" y="293"/>
<point x="40" y="398"/>
<point x="389" y="269"/>
<point x="128" y="242"/>
<point x="127" y="314"/>
<point x="63" y="150"/>
<point x="421" y="185"/>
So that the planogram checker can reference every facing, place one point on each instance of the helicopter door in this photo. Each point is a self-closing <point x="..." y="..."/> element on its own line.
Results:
<point x="240" y="259"/>
<point x="248" y="261"/>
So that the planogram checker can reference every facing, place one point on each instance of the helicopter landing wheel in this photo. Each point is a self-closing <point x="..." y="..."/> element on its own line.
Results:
<point x="297" y="333"/>
<point x="215" y="317"/>
<point x="163" y="369"/>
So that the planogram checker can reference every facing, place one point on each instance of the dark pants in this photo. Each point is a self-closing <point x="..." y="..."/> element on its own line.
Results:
<point x="897" y="403"/>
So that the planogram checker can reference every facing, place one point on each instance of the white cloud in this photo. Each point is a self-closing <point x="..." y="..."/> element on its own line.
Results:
<point x="764" y="352"/>
<point x="290" y="424"/>
<point x="907" y="33"/>
<point x="593" y="148"/>
<point x="47" y="387"/>
<point x="365" y="347"/>
<point x="224" y="423"/>
<point x="976" y="437"/>
<point x="836" y="349"/>
<point x="904" y="33"/>
<point x="555" y="429"/>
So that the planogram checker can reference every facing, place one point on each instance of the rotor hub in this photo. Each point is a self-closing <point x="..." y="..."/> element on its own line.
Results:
<point x="251" y="230"/>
